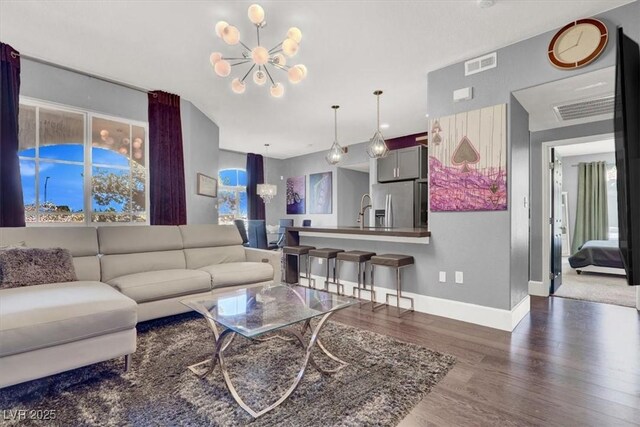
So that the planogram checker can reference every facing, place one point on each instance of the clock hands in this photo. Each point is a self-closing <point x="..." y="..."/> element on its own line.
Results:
<point x="571" y="47"/>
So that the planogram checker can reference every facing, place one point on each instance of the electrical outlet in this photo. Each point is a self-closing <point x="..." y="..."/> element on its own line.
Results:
<point x="459" y="278"/>
<point x="443" y="277"/>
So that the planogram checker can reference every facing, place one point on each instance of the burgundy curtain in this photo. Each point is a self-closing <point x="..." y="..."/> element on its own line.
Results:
<point x="166" y="160"/>
<point x="255" y="176"/>
<point x="11" y="202"/>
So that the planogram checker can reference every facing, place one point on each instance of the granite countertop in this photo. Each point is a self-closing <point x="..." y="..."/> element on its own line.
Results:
<point x="371" y="231"/>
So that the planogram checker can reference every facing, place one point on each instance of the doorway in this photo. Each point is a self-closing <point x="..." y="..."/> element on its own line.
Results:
<point x="567" y="119"/>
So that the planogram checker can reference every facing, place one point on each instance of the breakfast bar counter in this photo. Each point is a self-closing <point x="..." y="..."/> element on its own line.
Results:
<point x="353" y="237"/>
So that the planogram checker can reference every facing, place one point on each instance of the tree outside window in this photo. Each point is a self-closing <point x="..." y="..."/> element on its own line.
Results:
<point x="232" y="195"/>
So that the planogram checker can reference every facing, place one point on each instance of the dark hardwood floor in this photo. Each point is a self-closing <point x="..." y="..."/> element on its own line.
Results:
<point x="568" y="363"/>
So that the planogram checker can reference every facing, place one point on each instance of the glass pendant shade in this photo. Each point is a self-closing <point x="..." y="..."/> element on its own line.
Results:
<point x="290" y="47"/>
<point x="295" y="74"/>
<point x="238" y="86"/>
<point x="215" y="57"/>
<point x="220" y="26"/>
<point x="260" y="55"/>
<point x="377" y="147"/>
<point x="259" y="77"/>
<point x="277" y="90"/>
<point x="231" y="35"/>
<point x="279" y="59"/>
<point x="267" y="192"/>
<point x="336" y="152"/>
<point x="295" y="34"/>
<point x="256" y="14"/>
<point x="222" y="68"/>
<point x="334" y="156"/>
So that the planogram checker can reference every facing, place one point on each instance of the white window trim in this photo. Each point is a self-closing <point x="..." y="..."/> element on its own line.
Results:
<point x="88" y="154"/>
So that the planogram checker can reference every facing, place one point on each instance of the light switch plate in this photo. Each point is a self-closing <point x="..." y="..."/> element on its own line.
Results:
<point x="459" y="277"/>
<point x="443" y="277"/>
<point x="320" y="261"/>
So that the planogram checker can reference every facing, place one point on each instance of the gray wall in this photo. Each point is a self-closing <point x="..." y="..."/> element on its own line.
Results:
<point x="519" y="195"/>
<point x="482" y="242"/>
<point x="350" y="187"/>
<point x="201" y="140"/>
<point x="200" y="135"/>
<point x="604" y="127"/>
<point x="570" y="179"/>
<point x="316" y="163"/>
<point x="235" y="160"/>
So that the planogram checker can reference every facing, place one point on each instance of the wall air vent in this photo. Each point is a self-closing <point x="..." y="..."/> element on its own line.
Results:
<point x="585" y="108"/>
<point x="481" y="64"/>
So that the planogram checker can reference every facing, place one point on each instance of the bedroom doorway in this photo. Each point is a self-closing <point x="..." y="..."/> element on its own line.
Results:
<point x="584" y="261"/>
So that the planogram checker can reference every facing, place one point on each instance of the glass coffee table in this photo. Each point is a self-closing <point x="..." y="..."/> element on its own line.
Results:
<point x="253" y="312"/>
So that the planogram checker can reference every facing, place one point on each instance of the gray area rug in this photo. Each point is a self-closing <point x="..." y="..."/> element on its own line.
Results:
<point x="604" y="288"/>
<point x="384" y="381"/>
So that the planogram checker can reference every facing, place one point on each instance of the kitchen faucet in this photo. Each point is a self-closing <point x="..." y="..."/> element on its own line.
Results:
<point x="363" y="209"/>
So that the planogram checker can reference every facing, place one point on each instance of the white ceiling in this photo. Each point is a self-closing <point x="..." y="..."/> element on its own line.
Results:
<point x="349" y="47"/>
<point x="595" y="147"/>
<point x="540" y="100"/>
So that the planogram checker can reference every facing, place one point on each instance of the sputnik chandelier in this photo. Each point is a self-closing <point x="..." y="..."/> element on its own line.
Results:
<point x="259" y="59"/>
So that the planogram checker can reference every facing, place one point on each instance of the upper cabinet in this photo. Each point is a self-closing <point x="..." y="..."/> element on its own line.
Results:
<point x="403" y="164"/>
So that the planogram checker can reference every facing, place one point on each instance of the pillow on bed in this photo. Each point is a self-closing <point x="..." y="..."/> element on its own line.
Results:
<point x="21" y="266"/>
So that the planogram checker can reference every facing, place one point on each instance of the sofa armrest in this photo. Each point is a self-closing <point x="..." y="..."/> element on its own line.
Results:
<point x="272" y="257"/>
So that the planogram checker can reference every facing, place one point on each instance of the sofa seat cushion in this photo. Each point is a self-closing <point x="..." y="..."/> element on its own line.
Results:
<point x="43" y="316"/>
<point x="239" y="273"/>
<point x="162" y="284"/>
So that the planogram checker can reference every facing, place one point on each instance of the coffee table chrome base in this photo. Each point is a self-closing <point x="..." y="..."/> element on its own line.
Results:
<point x="221" y="346"/>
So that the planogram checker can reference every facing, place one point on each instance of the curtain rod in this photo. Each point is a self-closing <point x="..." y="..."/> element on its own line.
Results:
<point x="606" y="164"/>
<point x="84" y="73"/>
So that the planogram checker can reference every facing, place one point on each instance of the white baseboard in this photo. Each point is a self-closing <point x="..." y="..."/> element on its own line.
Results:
<point x="538" y="289"/>
<point x="505" y="320"/>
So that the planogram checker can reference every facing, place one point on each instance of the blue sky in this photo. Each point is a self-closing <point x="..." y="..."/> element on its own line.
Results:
<point x="65" y="184"/>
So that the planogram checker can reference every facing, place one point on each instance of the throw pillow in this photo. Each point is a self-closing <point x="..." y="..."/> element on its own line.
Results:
<point x="34" y="266"/>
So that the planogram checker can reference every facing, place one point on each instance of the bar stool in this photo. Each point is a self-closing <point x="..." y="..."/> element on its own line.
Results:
<point x="298" y="252"/>
<point x="362" y="259"/>
<point x="327" y="254"/>
<point x="396" y="262"/>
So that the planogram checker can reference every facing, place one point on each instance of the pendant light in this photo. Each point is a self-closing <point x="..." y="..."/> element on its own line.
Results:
<point x="377" y="147"/>
<point x="266" y="191"/>
<point x="335" y="154"/>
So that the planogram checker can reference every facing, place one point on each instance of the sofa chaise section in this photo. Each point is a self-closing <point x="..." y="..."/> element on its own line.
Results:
<point x="50" y="328"/>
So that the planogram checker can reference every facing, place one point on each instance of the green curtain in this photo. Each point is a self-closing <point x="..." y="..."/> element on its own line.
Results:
<point x="592" y="220"/>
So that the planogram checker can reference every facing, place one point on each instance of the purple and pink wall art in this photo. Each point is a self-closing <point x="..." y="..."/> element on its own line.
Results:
<point x="296" y="194"/>
<point x="468" y="161"/>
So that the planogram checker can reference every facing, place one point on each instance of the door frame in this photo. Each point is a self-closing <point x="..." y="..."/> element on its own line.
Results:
<point x="546" y="200"/>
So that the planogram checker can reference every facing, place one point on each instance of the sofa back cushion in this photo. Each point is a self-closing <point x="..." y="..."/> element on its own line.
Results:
<point x="136" y="249"/>
<point x="82" y="242"/>
<point x="211" y="244"/>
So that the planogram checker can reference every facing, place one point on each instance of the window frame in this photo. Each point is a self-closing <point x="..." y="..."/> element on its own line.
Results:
<point x="87" y="162"/>
<point x="237" y="189"/>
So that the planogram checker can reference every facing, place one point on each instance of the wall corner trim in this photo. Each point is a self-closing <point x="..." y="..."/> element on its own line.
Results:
<point x="538" y="289"/>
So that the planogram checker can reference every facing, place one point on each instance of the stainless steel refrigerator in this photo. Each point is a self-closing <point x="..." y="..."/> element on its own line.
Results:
<point x="400" y="204"/>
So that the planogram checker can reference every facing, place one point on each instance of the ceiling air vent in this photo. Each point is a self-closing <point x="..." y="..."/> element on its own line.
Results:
<point x="585" y="108"/>
<point x="481" y="64"/>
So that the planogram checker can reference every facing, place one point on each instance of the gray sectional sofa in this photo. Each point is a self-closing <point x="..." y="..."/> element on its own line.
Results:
<point x="126" y="274"/>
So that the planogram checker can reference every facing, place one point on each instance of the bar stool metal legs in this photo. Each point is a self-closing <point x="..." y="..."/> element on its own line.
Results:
<point x="396" y="262"/>
<point x="398" y="295"/>
<point x="326" y="254"/>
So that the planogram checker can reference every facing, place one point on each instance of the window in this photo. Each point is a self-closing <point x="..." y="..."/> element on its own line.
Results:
<point x="232" y="195"/>
<point x="80" y="168"/>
